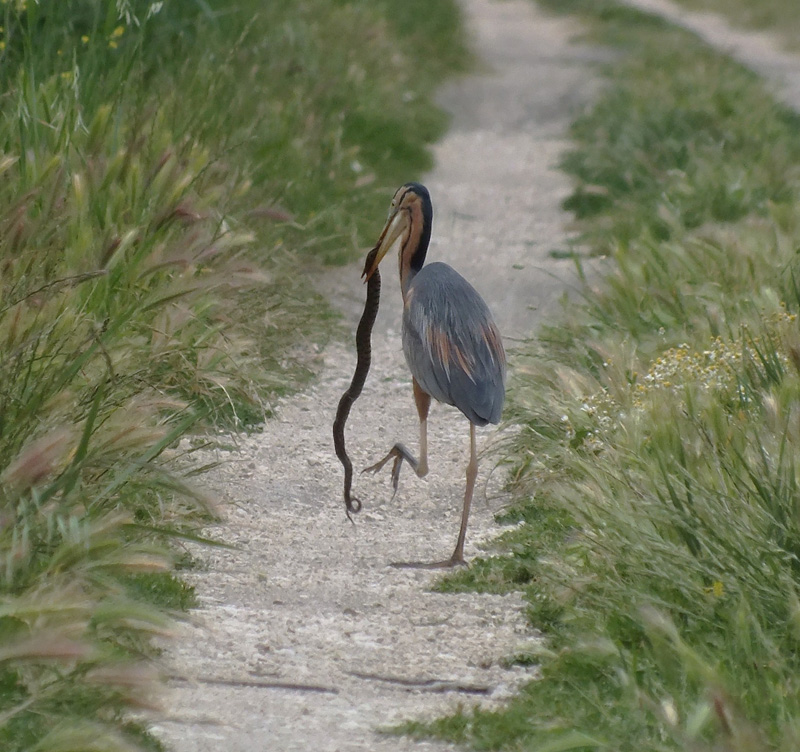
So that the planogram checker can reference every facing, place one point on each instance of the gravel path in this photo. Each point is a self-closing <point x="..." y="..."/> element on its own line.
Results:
<point x="305" y="639"/>
<point x="760" y="51"/>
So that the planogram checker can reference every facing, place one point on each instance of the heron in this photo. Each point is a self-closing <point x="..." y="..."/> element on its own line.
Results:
<point x="450" y="341"/>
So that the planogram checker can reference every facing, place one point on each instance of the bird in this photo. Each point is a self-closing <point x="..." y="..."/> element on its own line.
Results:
<point x="451" y="344"/>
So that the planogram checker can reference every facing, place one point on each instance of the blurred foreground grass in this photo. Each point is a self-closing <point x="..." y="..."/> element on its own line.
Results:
<point x="170" y="173"/>
<point x="657" y="461"/>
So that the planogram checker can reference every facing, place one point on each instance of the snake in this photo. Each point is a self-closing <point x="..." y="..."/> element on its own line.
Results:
<point x="363" y="361"/>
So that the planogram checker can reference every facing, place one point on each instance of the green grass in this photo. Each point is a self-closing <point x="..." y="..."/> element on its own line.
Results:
<point x="656" y="465"/>
<point x="170" y="174"/>
<point x="779" y="16"/>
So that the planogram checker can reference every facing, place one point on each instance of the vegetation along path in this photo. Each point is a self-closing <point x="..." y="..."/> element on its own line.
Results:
<point x="759" y="51"/>
<point x="305" y="638"/>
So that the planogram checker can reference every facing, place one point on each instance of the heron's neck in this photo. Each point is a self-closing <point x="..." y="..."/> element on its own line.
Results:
<point x="415" y="245"/>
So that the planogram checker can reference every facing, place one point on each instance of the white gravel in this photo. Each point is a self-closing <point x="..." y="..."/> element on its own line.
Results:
<point x="305" y="639"/>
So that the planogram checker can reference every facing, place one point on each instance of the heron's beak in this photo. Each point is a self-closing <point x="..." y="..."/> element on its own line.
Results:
<point x="396" y="225"/>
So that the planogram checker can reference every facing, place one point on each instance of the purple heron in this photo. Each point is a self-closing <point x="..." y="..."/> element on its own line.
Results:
<point x="450" y="341"/>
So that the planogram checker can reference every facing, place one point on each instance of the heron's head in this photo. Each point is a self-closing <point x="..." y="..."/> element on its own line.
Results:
<point x="410" y="219"/>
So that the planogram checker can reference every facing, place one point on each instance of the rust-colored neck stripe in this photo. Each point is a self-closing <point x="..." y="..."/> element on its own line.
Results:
<point x="416" y="241"/>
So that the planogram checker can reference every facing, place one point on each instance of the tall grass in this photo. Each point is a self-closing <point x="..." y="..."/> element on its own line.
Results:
<point x="168" y="174"/>
<point x="657" y="456"/>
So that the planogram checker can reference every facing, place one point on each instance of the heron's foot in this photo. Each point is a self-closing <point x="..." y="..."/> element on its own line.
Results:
<point x="399" y="453"/>
<point x="453" y="561"/>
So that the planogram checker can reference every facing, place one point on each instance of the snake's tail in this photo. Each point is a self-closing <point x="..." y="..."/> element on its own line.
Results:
<point x="352" y="506"/>
<point x="364" y="351"/>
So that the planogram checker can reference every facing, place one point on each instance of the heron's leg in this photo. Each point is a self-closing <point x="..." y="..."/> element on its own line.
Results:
<point x="399" y="452"/>
<point x="423" y="402"/>
<point x="458" y="555"/>
<point x="472" y="474"/>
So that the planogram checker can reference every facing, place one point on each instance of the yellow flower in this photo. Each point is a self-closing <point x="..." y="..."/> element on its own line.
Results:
<point x="118" y="32"/>
<point x="84" y="39"/>
<point x="113" y="44"/>
<point x="2" y="45"/>
<point x="717" y="589"/>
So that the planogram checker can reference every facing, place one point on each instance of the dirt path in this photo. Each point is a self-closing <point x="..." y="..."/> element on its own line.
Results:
<point x="305" y="639"/>
<point x="759" y="51"/>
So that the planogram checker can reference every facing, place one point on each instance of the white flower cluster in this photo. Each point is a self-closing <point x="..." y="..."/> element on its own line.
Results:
<point x="717" y="368"/>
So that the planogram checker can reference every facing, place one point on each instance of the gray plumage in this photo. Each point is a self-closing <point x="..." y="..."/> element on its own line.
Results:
<point x="452" y="345"/>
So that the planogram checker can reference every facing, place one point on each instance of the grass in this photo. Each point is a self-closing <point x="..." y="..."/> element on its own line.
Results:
<point x="170" y="173"/>
<point x="656" y="463"/>
<point x="778" y="16"/>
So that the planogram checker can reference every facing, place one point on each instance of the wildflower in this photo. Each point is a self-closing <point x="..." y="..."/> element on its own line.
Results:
<point x="118" y="32"/>
<point x="112" y="43"/>
<point x="669" y="711"/>
<point x="85" y="38"/>
<point x="717" y="589"/>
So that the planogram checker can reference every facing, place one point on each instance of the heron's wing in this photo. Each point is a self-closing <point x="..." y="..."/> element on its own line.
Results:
<point x="452" y="345"/>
